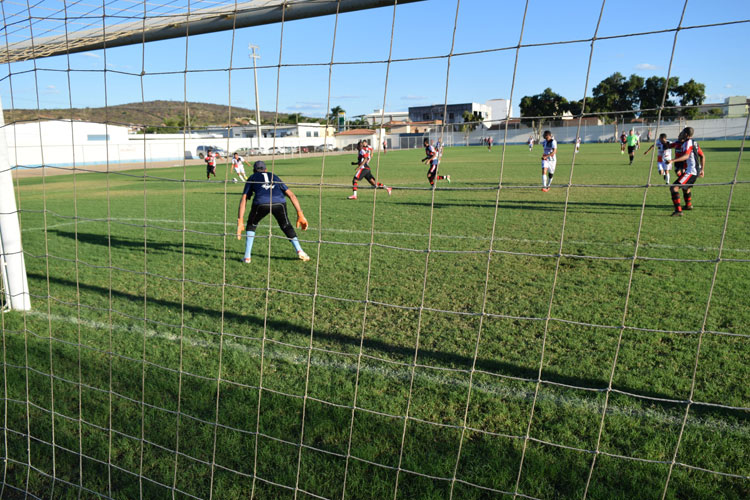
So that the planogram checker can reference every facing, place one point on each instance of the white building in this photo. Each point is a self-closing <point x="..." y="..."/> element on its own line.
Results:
<point x="454" y="113"/>
<point x="64" y="142"/>
<point x="499" y="109"/>
<point x="735" y="106"/>
<point x="378" y="117"/>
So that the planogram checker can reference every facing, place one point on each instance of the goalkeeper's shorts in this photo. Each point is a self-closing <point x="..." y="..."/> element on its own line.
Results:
<point x="258" y="212"/>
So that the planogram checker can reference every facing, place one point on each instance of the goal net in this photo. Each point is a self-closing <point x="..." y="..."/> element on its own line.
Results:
<point x="456" y="332"/>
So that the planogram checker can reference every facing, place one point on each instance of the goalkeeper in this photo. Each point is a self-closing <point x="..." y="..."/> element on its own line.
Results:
<point x="270" y="197"/>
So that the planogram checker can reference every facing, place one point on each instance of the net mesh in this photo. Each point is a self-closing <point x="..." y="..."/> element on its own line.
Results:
<point x="151" y="366"/>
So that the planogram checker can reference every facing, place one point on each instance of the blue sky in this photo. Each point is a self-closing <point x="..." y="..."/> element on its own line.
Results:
<point x="714" y="56"/>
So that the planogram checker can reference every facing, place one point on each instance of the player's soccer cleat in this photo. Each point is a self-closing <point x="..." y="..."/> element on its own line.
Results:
<point x="234" y="180"/>
<point x="688" y="207"/>
<point x="352" y="197"/>
<point x="303" y="256"/>
<point x="677" y="213"/>
<point x="545" y="189"/>
<point x="448" y="178"/>
<point x="389" y="189"/>
<point x="247" y="260"/>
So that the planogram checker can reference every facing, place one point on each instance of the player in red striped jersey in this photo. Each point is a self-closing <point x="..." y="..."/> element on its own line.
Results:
<point x="690" y="163"/>
<point x="433" y="156"/>
<point x="210" y="160"/>
<point x="363" y="171"/>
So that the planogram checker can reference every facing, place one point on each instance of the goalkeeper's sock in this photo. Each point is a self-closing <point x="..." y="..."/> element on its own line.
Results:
<point x="296" y="245"/>
<point x="544" y="181"/>
<point x="249" y="244"/>
<point x="666" y="177"/>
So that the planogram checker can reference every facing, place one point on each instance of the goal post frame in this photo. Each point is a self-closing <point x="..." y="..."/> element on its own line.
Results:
<point x="241" y="15"/>
<point x="12" y="262"/>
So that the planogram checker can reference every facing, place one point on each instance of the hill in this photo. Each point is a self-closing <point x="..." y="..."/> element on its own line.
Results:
<point x="153" y="114"/>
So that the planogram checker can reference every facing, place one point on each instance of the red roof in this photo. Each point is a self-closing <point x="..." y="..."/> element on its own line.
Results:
<point x="357" y="131"/>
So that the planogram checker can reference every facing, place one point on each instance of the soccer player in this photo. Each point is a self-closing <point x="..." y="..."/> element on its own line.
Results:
<point x="632" y="141"/>
<point x="578" y="144"/>
<point x="623" y="140"/>
<point x="549" y="159"/>
<point x="489" y="144"/>
<point x="531" y="143"/>
<point x="270" y="195"/>
<point x="363" y="171"/>
<point x="439" y="148"/>
<point x="433" y="157"/>
<point x="210" y="160"/>
<point x="688" y="168"/>
<point x="238" y="165"/>
<point x="663" y="156"/>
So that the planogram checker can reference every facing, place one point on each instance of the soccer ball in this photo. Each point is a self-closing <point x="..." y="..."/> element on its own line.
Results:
<point x="234" y="180"/>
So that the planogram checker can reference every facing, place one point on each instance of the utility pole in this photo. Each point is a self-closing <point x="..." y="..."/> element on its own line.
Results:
<point x="255" y="56"/>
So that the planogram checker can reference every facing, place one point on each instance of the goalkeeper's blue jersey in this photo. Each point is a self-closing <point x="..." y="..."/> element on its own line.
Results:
<point x="266" y="187"/>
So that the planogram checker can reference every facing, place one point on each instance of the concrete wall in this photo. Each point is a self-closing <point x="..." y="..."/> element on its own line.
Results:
<point x="61" y="143"/>
<point x="65" y="143"/>
<point x="721" y="129"/>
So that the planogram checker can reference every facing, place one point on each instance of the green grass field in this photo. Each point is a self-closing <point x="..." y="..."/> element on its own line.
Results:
<point x="136" y="298"/>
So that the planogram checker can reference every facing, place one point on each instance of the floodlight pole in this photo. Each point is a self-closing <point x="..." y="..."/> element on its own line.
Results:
<point x="12" y="264"/>
<point x="255" y="56"/>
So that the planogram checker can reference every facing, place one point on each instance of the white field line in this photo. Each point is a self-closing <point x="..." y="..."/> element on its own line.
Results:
<point x="417" y="235"/>
<point x="499" y="389"/>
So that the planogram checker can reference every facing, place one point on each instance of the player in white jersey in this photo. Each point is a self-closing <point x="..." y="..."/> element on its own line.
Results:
<point x="531" y="143"/>
<point x="663" y="156"/>
<point x="238" y="165"/>
<point x="549" y="159"/>
<point x="578" y="144"/>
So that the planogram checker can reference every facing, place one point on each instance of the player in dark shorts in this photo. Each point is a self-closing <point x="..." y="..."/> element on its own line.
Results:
<point x="269" y="196"/>
<point x="363" y="171"/>
<point x="210" y="160"/>
<point x="690" y="163"/>
<point x="433" y="156"/>
<point x="623" y="140"/>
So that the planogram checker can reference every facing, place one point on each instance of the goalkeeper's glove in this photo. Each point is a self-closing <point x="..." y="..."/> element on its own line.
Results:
<point x="240" y="228"/>
<point x="301" y="221"/>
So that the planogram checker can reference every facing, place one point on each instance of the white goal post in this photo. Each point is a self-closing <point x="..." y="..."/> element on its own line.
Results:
<point x="12" y="265"/>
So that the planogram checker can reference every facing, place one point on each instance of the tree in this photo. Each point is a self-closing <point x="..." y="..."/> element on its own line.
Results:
<point x="168" y="126"/>
<point x="336" y="110"/>
<point x="293" y="118"/>
<point x="541" y="107"/>
<point x="691" y="93"/>
<point x="358" y="121"/>
<point x="617" y="94"/>
<point x="652" y="93"/>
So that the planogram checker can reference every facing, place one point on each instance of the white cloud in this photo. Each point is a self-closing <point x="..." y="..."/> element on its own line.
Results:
<point x="647" y="66"/>
<point x="305" y="106"/>
<point x="51" y="89"/>
<point x="91" y="55"/>
<point x="728" y="86"/>
<point x="412" y="97"/>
